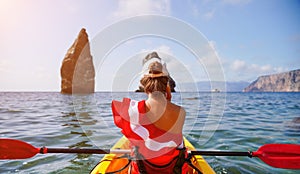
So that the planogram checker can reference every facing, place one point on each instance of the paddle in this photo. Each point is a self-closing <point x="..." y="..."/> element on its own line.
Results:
<point x="276" y="155"/>
<point x="16" y="149"/>
<point x="285" y="156"/>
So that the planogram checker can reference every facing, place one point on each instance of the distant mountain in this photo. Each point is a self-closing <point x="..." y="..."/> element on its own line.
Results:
<point x="207" y="86"/>
<point x="282" y="82"/>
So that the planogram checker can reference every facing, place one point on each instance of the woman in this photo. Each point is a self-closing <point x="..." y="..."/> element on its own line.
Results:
<point x="153" y="126"/>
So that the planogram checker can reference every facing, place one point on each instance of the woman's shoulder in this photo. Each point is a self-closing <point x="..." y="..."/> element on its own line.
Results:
<point x="176" y="107"/>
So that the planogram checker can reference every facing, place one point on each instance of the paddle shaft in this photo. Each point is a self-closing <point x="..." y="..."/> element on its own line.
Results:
<point x="221" y="153"/>
<point x="44" y="150"/>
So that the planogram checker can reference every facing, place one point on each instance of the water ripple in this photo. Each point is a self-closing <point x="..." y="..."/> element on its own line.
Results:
<point x="249" y="120"/>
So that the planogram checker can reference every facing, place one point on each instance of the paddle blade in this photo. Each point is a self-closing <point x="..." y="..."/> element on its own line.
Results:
<point x="285" y="156"/>
<point x="15" y="149"/>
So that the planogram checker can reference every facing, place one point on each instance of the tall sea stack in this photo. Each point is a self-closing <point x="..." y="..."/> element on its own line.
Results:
<point x="77" y="70"/>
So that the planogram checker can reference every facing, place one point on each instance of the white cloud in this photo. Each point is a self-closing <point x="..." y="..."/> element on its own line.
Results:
<point x="165" y="49"/>
<point x="207" y="9"/>
<point x="195" y="10"/>
<point x="263" y="69"/>
<point x="241" y="70"/>
<point x="213" y="46"/>
<point x="211" y="62"/>
<point x="209" y="15"/>
<point x="162" y="49"/>
<point x="238" y="65"/>
<point x="131" y="8"/>
<point x="242" y="66"/>
<point x="204" y="10"/>
<point x="236" y="2"/>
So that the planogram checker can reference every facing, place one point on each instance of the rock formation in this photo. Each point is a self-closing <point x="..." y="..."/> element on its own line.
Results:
<point x="77" y="70"/>
<point x="171" y="80"/>
<point x="283" y="82"/>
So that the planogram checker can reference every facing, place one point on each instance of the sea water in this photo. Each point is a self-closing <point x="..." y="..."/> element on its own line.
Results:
<point x="214" y="121"/>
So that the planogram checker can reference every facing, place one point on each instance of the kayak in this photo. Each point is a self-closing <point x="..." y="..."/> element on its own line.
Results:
<point x="117" y="163"/>
<point x="111" y="163"/>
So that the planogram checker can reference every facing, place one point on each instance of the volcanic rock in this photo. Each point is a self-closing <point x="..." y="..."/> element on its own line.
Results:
<point x="77" y="70"/>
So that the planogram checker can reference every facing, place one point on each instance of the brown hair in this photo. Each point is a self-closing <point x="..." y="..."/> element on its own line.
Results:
<point x="152" y="84"/>
<point x="155" y="83"/>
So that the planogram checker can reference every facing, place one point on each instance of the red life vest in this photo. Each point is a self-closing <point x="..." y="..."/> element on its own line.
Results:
<point x="157" y="146"/>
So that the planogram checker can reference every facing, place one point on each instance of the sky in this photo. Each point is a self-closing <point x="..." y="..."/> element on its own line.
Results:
<point x="238" y="40"/>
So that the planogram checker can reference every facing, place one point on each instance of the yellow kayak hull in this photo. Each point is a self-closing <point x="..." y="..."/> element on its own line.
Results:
<point x="109" y="163"/>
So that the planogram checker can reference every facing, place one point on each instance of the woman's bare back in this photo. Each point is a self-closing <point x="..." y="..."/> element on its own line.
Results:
<point x="166" y="116"/>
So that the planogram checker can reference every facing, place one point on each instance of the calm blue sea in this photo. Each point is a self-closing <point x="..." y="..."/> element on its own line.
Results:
<point x="215" y="121"/>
